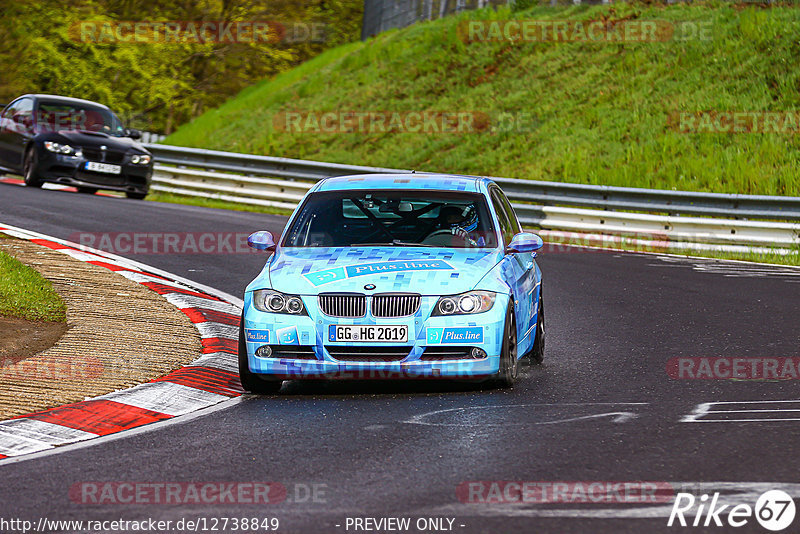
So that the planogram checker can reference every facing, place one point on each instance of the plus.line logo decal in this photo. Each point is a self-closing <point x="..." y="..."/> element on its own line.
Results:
<point x="454" y="334"/>
<point x="326" y="276"/>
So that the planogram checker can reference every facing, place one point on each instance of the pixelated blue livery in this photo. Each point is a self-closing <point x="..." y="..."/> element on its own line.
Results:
<point x="446" y="285"/>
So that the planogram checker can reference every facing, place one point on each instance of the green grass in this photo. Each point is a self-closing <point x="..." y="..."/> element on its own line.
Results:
<point x="600" y="110"/>
<point x="213" y="203"/>
<point x="24" y="293"/>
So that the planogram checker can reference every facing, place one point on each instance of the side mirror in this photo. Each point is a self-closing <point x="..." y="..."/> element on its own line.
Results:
<point x="262" y="240"/>
<point x="524" y="242"/>
<point x="134" y="134"/>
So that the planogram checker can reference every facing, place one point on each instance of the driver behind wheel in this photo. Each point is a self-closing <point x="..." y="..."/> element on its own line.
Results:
<point x="461" y="221"/>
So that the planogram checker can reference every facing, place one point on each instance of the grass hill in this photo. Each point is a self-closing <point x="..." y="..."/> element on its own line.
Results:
<point x="596" y="112"/>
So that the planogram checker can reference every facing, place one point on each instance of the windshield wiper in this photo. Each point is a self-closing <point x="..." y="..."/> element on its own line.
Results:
<point x="393" y="243"/>
<point x="399" y="243"/>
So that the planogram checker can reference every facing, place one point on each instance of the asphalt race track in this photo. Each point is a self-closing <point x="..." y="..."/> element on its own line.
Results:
<point x="602" y="408"/>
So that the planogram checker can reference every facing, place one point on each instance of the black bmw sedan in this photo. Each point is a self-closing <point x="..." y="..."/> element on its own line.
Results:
<point x="72" y="142"/>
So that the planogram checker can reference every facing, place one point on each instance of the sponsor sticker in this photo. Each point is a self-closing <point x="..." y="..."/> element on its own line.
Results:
<point x="323" y="277"/>
<point x="257" y="336"/>
<point x="287" y="336"/>
<point x="329" y="275"/>
<point x="455" y="334"/>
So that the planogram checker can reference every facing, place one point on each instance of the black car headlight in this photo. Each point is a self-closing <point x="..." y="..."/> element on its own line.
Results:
<point x="465" y="303"/>
<point x="268" y="300"/>
<point x="66" y="150"/>
<point x="140" y="159"/>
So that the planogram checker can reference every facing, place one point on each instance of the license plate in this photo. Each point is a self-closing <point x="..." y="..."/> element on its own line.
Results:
<point x="369" y="333"/>
<point x="103" y="167"/>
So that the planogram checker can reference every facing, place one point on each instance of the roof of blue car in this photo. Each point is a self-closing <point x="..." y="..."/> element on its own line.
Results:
<point x="440" y="182"/>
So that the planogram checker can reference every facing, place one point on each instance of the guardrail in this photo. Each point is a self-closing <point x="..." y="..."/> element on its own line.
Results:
<point x="673" y="215"/>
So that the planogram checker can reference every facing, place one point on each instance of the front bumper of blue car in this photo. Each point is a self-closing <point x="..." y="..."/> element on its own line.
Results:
<point x="302" y="347"/>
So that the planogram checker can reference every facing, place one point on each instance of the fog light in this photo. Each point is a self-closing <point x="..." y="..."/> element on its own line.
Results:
<point x="264" y="351"/>
<point x="477" y="353"/>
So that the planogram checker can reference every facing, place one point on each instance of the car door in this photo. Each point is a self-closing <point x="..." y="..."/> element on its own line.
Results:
<point x="518" y="269"/>
<point x="5" y="134"/>
<point x="16" y="128"/>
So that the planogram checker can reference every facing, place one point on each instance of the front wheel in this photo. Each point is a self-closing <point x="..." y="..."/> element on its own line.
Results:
<point x="31" y="169"/>
<point x="536" y="354"/>
<point x="135" y="196"/>
<point x="250" y="381"/>
<point x="509" y="365"/>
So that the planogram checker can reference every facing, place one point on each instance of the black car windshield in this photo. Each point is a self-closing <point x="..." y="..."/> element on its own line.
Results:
<point x="56" y="116"/>
<point x="393" y="218"/>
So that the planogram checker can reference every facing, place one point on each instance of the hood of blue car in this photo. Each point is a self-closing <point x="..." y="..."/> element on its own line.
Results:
<point x="428" y="271"/>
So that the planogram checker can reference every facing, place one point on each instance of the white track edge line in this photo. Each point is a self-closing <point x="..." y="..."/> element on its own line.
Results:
<point x="674" y="255"/>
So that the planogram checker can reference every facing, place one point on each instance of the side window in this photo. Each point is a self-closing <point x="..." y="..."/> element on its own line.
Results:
<point x="11" y="109"/>
<point x="502" y="217"/>
<point x="23" y="109"/>
<point x="512" y="216"/>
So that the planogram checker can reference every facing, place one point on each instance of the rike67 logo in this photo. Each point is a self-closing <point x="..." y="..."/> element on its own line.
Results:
<point x="774" y="510"/>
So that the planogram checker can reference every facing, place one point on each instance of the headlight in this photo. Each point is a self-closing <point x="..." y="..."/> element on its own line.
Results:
<point x="140" y="159"/>
<point x="465" y="303"/>
<point x="67" y="150"/>
<point x="267" y="300"/>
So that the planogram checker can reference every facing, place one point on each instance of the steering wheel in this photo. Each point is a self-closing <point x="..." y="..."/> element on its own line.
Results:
<point x="444" y="237"/>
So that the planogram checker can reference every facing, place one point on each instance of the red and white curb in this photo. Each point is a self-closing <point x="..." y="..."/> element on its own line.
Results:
<point x="209" y="380"/>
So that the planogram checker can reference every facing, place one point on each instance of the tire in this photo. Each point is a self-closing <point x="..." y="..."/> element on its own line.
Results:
<point x="87" y="190"/>
<point x="30" y="169"/>
<point x="536" y="355"/>
<point x="509" y="365"/>
<point x="135" y="196"/>
<point x="250" y="381"/>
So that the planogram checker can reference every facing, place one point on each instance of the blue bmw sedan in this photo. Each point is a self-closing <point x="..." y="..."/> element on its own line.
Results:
<point x="394" y="276"/>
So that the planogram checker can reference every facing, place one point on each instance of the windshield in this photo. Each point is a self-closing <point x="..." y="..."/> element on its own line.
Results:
<point x="55" y="116"/>
<point x="393" y="218"/>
